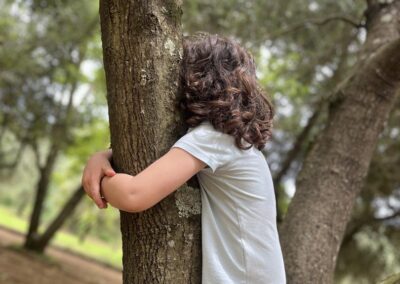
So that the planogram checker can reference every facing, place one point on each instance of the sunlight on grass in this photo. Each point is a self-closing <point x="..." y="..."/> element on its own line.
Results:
<point x="92" y="248"/>
<point x="10" y="220"/>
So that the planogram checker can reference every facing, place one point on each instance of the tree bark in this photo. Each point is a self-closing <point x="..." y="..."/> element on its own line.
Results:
<point x="300" y="144"/>
<point x="335" y="168"/>
<point x="142" y="51"/>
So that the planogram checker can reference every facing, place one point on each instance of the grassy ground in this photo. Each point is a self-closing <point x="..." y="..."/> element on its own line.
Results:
<point x="92" y="248"/>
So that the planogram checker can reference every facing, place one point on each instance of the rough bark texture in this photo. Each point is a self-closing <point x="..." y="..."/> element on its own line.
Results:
<point x="335" y="168"/>
<point x="142" y="50"/>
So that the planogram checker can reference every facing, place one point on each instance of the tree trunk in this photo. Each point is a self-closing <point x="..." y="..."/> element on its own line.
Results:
<point x="59" y="132"/>
<point x="335" y="168"/>
<point x="142" y="51"/>
<point x="41" y="242"/>
<point x="41" y="193"/>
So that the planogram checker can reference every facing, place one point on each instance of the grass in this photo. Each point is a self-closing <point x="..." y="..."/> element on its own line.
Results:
<point x="12" y="221"/>
<point x="91" y="247"/>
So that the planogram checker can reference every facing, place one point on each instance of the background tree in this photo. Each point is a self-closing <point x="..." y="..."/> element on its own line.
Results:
<point x="333" y="172"/>
<point x="42" y="96"/>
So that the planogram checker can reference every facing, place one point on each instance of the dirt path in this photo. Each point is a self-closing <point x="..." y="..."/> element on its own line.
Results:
<point x="20" y="267"/>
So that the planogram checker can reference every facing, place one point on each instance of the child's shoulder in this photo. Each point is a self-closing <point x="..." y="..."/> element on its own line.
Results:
<point x="207" y="133"/>
<point x="205" y="128"/>
<point x="202" y="125"/>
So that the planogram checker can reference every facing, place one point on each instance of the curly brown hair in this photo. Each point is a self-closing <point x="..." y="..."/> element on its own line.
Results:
<point x="219" y="84"/>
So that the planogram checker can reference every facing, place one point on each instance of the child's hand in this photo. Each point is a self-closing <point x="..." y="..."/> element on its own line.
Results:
<point x="96" y="168"/>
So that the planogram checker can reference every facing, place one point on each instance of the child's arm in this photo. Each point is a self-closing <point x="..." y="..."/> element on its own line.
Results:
<point x="116" y="190"/>
<point x="162" y="177"/>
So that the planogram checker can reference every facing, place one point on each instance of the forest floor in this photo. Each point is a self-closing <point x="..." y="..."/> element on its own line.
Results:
<point x="18" y="266"/>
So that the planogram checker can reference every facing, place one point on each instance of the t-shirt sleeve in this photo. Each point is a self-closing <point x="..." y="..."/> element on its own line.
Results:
<point x="208" y="145"/>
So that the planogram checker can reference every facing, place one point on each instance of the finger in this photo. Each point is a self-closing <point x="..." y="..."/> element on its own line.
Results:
<point x="105" y="202"/>
<point x="95" y="195"/>
<point x="86" y="187"/>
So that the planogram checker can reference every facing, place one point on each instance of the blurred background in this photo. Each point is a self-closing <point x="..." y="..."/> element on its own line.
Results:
<point x="53" y="116"/>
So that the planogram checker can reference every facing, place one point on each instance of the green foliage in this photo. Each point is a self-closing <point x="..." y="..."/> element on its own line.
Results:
<point x="51" y="51"/>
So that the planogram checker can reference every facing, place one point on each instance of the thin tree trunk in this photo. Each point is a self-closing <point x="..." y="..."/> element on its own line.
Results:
<point x="142" y="50"/>
<point x="41" y="193"/>
<point x="59" y="132"/>
<point x="334" y="170"/>
<point x="69" y="207"/>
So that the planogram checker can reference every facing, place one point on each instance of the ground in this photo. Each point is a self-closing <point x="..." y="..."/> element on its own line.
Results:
<point x="58" y="266"/>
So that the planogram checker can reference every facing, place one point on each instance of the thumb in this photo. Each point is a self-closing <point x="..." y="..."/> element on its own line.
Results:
<point x="109" y="172"/>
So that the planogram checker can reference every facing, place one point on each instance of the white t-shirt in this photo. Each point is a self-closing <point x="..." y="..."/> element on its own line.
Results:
<point x="240" y="242"/>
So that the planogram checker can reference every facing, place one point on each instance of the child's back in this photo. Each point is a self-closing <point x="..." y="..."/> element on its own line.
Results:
<point x="240" y="241"/>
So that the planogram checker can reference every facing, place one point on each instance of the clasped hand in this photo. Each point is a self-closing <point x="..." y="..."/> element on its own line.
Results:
<point x="97" y="167"/>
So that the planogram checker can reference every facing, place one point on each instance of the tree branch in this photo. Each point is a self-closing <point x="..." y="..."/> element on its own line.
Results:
<point x="318" y="22"/>
<point x="383" y="66"/>
<point x="37" y="155"/>
<point x="294" y="151"/>
<point x="14" y="163"/>
<point x="389" y="217"/>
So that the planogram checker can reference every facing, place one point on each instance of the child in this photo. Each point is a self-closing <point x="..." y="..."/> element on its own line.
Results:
<point x="229" y="120"/>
